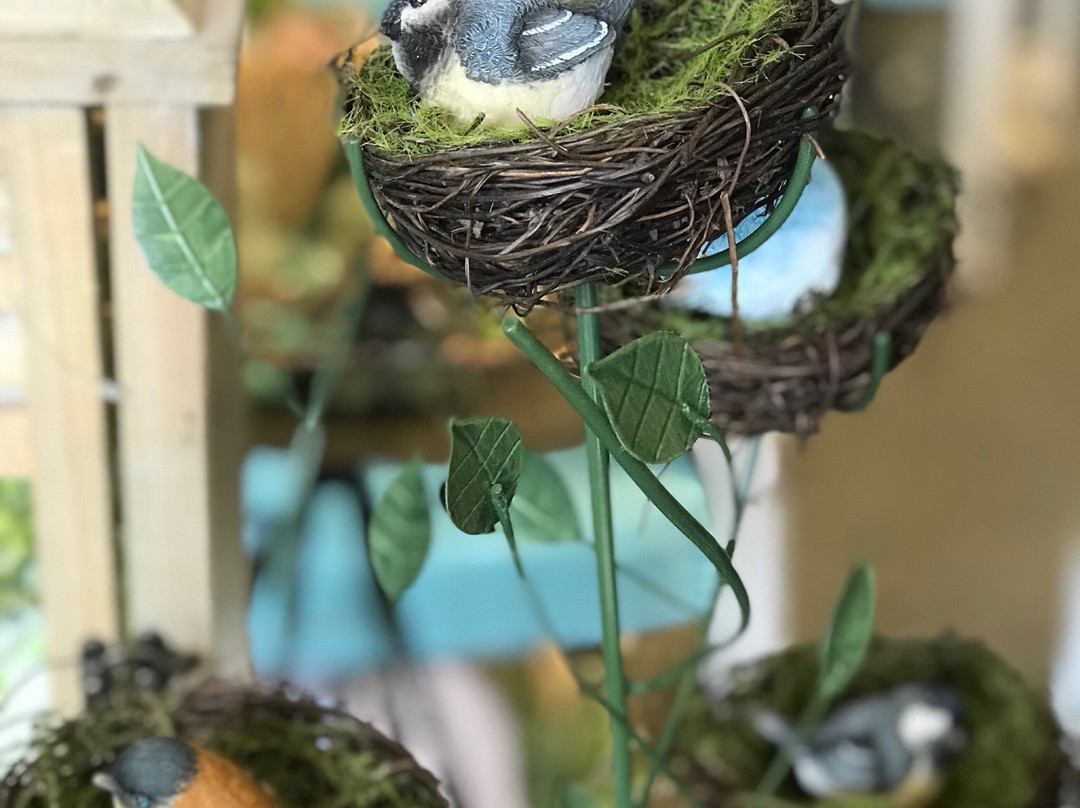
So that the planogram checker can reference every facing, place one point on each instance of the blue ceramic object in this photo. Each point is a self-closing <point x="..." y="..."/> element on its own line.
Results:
<point x="315" y="612"/>
<point x="803" y="258"/>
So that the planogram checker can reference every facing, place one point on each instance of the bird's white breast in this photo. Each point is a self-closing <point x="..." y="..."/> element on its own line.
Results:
<point x="554" y="99"/>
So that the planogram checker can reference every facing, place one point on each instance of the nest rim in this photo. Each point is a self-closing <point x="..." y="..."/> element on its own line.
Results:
<point x="525" y="220"/>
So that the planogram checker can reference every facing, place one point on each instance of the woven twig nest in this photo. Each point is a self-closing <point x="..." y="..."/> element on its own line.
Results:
<point x="612" y="194"/>
<point x="1015" y="754"/>
<point x="899" y="257"/>
<point x="305" y="754"/>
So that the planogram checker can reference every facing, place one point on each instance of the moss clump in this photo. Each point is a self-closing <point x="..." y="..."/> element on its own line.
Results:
<point x="678" y="55"/>
<point x="901" y="210"/>
<point x="1012" y="747"/>
<point x="305" y="757"/>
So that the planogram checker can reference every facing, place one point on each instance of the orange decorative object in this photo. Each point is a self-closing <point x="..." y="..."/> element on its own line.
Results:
<point x="220" y="783"/>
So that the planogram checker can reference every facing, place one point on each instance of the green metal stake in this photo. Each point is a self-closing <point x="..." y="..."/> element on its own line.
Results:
<point x="603" y="537"/>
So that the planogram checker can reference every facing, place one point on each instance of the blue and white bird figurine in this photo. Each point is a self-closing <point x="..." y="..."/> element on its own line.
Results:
<point x="494" y="58"/>
<point x="895" y="743"/>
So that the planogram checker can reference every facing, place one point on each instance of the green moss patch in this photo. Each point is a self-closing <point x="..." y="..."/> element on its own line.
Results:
<point x="901" y="210"/>
<point x="678" y="55"/>
<point x="1012" y="737"/>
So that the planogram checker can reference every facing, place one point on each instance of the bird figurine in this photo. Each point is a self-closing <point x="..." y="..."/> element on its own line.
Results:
<point x="494" y="58"/>
<point x="895" y="743"/>
<point x="167" y="773"/>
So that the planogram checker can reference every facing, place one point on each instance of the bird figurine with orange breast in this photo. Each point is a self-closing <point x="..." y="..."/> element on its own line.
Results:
<point x="166" y="773"/>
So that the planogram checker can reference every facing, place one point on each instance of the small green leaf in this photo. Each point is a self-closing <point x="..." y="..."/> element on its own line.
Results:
<point x="850" y="633"/>
<point x="543" y="509"/>
<point x="485" y="460"/>
<point x="656" y="396"/>
<point x="400" y="532"/>
<point x="184" y="233"/>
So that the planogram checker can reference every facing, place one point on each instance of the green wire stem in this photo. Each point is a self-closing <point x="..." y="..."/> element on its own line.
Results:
<point x="879" y="366"/>
<point x="604" y="544"/>
<point x="354" y="153"/>
<point x="793" y="191"/>
<point x="642" y="476"/>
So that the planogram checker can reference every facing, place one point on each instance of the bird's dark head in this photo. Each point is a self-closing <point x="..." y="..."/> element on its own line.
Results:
<point x="403" y="16"/>
<point x="420" y="31"/>
<point x="149" y="773"/>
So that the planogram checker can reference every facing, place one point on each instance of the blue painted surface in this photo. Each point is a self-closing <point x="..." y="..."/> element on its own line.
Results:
<point x="315" y="613"/>
<point x="803" y="258"/>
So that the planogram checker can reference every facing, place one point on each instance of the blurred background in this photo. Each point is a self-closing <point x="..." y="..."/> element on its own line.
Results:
<point x="960" y="482"/>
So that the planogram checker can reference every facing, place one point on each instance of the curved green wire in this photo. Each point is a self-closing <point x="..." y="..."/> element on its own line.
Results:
<point x="879" y="366"/>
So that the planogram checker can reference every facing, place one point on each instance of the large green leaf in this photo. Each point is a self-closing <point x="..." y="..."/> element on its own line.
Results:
<point x="400" y="532"/>
<point x="656" y="395"/>
<point x="543" y="509"/>
<point x="184" y="233"/>
<point x="485" y="462"/>
<point x="850" y="633"/>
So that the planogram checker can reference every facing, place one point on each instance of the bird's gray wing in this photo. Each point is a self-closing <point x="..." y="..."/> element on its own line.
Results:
<point x="555" y="39"/>
<point x="486" y="39"/>
<point x="851" y="764"/>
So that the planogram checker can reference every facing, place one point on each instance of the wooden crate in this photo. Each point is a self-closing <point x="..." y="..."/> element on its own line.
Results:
<point x="119" y="399"/>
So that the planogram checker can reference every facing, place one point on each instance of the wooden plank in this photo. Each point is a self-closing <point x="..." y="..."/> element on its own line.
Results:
<point x="181" y="535"/>
<point x="200" y="70"/>
<point x="112" y="19"/>
<point x="47" y="164"/>
<point x="16" y="454"/>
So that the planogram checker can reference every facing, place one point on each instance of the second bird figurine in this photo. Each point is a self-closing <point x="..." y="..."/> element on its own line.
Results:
<point x="166" y="773"/>
<point x="492" y="58"/>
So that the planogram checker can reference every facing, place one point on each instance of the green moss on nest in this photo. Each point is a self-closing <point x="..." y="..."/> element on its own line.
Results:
<point x="901" y="210"/>
<point x="678" y="55"/>
<point x="1012" y="744"/>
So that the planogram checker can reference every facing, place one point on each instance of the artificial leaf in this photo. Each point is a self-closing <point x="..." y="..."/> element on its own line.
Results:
<point x="542" y="508"/>
<point x="400" y="532"/>
<point x="850" y="632"/>
<point x="485" y="461"/>
<point x="656" y="395"/>
<point x="184" y="233"/>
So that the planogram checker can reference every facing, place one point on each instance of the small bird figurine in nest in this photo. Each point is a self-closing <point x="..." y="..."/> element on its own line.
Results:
<point x="167" y="773"/>
<point x="895" y="743"/>
<point x="500" y="59"/>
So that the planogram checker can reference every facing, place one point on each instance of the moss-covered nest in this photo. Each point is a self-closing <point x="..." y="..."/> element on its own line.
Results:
<point x="1012" y="758"/>
<point x="678" y="56"/>
<point x="708" y="99"/>
<point x="305" y="754"/>
<point x="901" y="226"/>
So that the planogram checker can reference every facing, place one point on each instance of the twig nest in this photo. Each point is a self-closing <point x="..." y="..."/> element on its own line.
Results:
<point x="831" y="355"/>
<point x="306" y="755"/>
<point x="707" y="100"/>
<point x="1013" y="755"/>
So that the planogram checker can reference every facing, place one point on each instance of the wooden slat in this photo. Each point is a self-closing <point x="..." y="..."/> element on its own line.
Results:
<point x="200" y="70"/>
<point x="182" y="556"/>
<point x="16" y="457"/>
<point x="47" y="166"/>
<point x="113" y="19"/>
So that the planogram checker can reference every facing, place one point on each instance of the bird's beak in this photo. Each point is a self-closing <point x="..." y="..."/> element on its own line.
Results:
<point x="392" y="29"/>
<point x="106" y="783"/>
